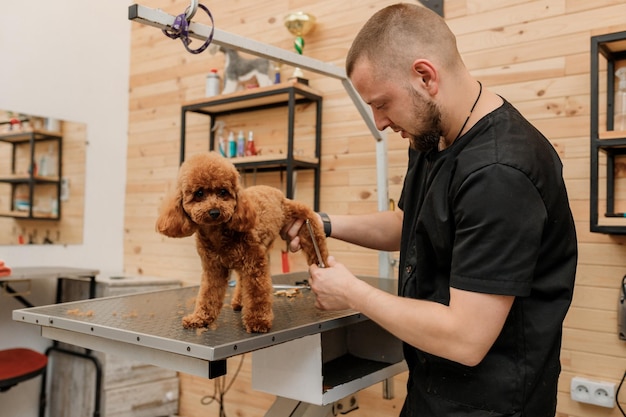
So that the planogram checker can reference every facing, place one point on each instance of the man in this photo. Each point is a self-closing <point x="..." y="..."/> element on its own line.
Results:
<point x="486" y="237"/>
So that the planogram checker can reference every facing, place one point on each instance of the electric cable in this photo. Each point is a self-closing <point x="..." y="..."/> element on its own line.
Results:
<point x="220" y="388"/>
<point x="617" y="394"/>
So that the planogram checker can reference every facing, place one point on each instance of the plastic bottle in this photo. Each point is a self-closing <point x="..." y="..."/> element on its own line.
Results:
<point x="212" y="83"/>
<point x="241" y="144"/>
<point x="277" y="74"/>
<point x="232" y="145"/>
<point x="620" y="100"/>
<point x="52" y="168"/>
<point x="43" y="165"/>
<point x="221" y="142"/>
<point x="250" y="148"/>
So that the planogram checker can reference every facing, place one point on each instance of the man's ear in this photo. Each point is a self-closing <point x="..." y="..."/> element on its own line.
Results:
<point x="425" y="77"/>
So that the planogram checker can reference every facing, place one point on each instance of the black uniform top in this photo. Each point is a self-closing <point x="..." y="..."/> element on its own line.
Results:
<point x="490" y="214"/>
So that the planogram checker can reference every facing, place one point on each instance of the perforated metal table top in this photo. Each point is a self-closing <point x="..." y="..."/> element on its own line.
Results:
<point x="153" y="320"/>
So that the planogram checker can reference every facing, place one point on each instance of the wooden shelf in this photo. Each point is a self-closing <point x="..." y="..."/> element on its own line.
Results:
<point x="24" y="136"/>
<point x="17" y="178"/>
<point x="612" y="134"/>
<point x="278" y="158"/>
<point x="253" y="97"/>
<point x="24" y="214"/>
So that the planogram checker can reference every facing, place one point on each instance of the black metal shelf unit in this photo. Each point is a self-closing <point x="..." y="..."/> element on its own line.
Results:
<point x="286" y="94"/>
<point x="33" y="180"/>
<point x="612" y="48"/>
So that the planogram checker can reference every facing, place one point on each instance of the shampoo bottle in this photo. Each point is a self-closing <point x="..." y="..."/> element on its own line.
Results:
<point x="241" y="144"/>
<point x="232" y="145"/>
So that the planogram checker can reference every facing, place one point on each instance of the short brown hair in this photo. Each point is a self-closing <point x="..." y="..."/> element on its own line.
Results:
<point x="397" y="35"/>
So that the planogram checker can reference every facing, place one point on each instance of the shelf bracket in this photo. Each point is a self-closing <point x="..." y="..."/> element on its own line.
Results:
<point x="161" y="20"/>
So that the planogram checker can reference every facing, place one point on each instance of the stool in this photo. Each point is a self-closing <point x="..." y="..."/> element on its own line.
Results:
<point x="20" y="364"/>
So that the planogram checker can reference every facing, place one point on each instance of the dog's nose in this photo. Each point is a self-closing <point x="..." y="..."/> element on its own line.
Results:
<point x="214" y="213"/>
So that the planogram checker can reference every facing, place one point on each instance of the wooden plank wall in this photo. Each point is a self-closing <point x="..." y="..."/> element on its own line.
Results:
<point x="534" y="53"/>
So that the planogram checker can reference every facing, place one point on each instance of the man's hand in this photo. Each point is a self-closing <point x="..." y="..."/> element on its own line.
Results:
<point x="332" y="285"/>
<point x="289" y="233"/>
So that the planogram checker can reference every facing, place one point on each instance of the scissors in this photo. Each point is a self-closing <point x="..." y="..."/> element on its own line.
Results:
<point x="320" y="262"/>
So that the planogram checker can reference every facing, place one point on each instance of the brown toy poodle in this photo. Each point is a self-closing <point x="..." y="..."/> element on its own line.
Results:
<point x="235" y="228"/>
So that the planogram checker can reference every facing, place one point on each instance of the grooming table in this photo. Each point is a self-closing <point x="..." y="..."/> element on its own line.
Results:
<point x="318" y="357"/>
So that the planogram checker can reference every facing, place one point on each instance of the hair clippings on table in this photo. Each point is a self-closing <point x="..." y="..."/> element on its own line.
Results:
<point x="180" y="28"/>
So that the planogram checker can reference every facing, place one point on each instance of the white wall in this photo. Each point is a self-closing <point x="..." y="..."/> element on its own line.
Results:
<point x="68" y="59"/>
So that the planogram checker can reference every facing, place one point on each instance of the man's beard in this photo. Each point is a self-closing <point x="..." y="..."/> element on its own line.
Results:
<point x="428" y="112"/>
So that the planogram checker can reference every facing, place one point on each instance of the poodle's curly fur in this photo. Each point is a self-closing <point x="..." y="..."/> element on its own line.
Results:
<point x="235" y="228"/>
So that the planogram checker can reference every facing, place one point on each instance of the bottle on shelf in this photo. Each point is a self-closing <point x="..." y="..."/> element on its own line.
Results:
<point x="620" y="100"/>
<point x="250" y="148"/>
<point x="241" y="144"/>
<point x="52" y="161"/>
<point x="221" y="142"/>
<point x="232" y="145"/>
<point x="212" y="83"/>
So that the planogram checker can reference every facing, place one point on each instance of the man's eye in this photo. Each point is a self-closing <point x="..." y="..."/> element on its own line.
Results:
<point x="198" y="195"/>
<point x="223" y="192"/>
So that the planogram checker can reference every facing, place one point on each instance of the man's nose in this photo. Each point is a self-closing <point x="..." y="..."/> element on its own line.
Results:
<point x="381" y="121"/>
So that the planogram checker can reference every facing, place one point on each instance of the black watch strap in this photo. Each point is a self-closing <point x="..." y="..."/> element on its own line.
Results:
<point x="326" y="221"/>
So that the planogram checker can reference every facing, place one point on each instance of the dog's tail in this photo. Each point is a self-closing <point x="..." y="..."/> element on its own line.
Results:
<point x="298" y="210"/>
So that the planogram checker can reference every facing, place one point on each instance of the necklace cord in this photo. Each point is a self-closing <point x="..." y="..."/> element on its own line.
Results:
<point x="480" y="91"/>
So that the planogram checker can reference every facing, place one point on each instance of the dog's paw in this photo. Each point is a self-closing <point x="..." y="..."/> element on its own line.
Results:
<point x="258" y="326"/>
<point x="236" y="305"/>
<point x="193" y="321"/>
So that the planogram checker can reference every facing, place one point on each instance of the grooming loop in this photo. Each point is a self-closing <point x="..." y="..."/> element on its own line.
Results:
<point x="180" y="27"/>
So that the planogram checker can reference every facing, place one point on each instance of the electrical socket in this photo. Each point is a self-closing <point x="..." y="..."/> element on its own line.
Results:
<point x="593" y="392"/>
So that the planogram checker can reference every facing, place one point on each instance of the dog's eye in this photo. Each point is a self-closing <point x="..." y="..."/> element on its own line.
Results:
<point x="198" y="195"/>
<point x="223" y="192"/>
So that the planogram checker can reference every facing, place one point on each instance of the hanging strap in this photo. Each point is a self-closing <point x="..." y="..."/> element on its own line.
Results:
<point x="180" y="29"/>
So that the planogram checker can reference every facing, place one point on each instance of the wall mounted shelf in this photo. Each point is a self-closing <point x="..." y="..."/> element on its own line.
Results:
<point x="28" y="185"/>
<point x="288" y="94"/>
<point x="606" y="51"/>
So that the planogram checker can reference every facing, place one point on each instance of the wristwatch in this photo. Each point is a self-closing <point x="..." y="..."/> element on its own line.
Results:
<point x="326" y="221"/>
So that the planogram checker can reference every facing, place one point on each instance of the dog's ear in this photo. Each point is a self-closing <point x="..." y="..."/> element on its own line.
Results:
<point x="244" y="217"/>
<point x="172" y="220"/>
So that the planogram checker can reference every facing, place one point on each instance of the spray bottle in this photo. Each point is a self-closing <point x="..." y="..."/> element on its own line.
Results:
<point x="250" y="148"/>
<point x="221" y="142"/>
<point x="620" y="100"/>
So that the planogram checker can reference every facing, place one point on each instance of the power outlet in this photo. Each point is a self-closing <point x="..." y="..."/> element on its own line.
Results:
<point x="593" y="392"/>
